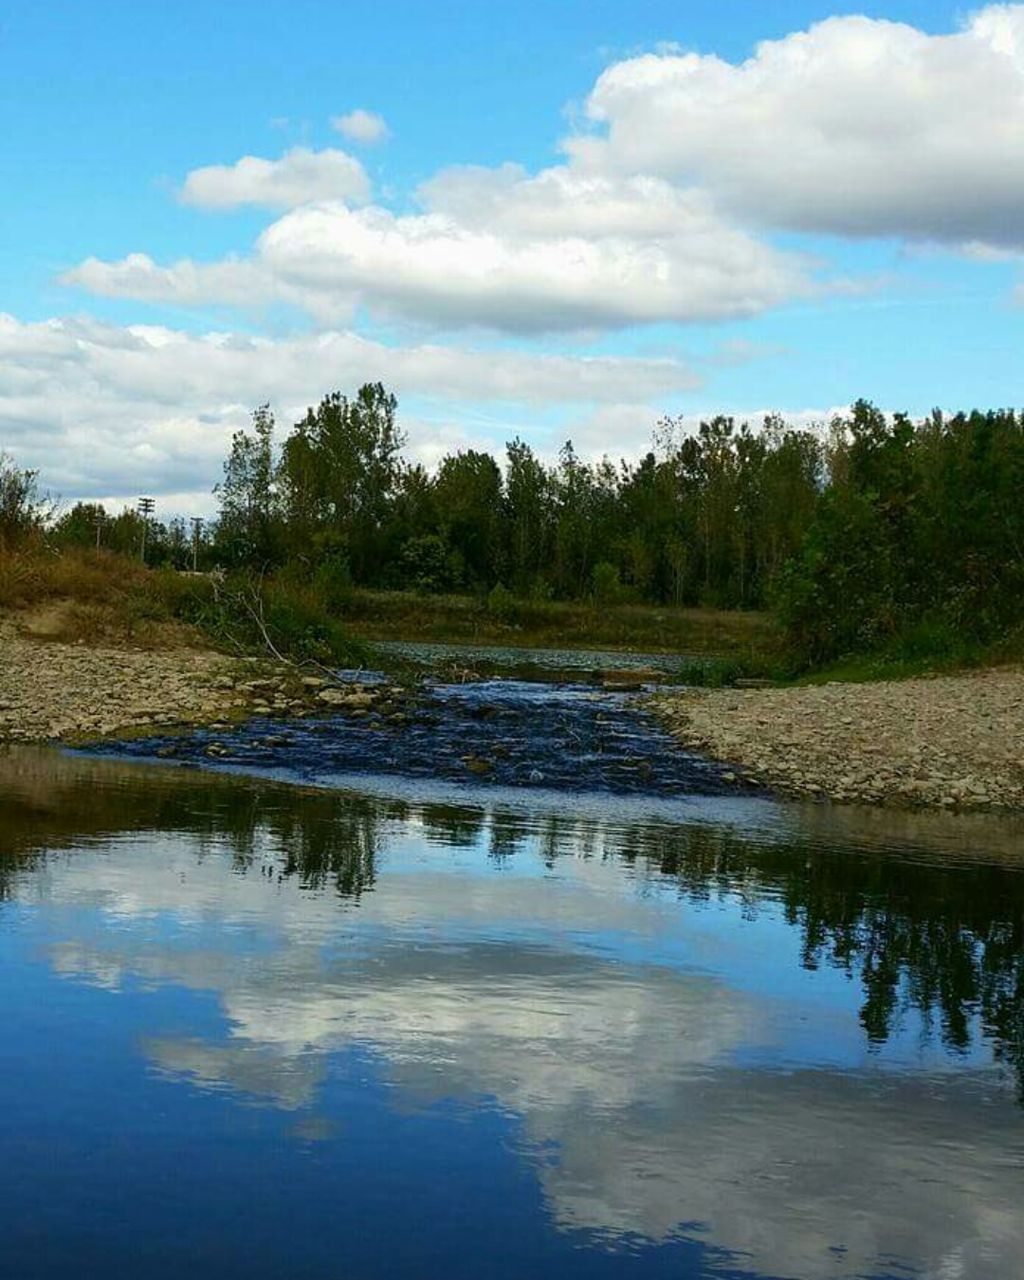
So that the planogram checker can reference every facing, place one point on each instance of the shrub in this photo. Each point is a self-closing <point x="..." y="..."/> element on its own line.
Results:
<point x="605" y="586"/>
<point x="501" y="603"/>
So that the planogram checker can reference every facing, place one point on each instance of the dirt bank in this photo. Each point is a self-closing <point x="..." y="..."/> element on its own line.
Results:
<point x="950" y="741"/>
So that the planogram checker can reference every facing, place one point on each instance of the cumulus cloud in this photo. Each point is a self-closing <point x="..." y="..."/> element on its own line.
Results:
<point x="365" y="127"/>
<point x="857" y="127"/>
<point x="298" y="177"/>
<point x="107" y="410"/>
<point x="496" y="249"/>
<point x="230" y="282"/>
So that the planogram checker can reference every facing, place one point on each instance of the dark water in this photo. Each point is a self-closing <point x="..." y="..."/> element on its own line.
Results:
<point x="505" y="732"/>
<point x="273" y="1031"/>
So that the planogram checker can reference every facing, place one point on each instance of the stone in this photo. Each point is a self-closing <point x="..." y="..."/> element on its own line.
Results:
<point x="476" y="765"/>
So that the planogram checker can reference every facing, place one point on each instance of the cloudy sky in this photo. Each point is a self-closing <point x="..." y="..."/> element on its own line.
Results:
<point x="560" y="219"/>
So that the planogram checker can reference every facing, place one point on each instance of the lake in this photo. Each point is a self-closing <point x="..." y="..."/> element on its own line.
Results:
<point x="395" y="1027"/>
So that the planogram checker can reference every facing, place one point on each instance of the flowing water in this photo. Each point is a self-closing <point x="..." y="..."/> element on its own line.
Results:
<point x="413" y="1024"/>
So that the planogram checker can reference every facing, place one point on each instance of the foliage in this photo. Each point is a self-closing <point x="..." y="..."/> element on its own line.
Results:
<point x="873" y="536"/>
<point x="501" y="603"/>
<point x="604" y="583"/>
<point x="710" y="521"/>
<point x="22" y="510"/>
<point x="916" y="548"/>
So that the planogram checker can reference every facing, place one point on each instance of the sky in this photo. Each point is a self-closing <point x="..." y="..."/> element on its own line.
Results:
<point x="555" y="220"/>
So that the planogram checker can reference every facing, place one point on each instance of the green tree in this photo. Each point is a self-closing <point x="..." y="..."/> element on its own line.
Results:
<point x="23" y="512"/>
<point x="248" y="527"/>
<point x="339" y="473"/>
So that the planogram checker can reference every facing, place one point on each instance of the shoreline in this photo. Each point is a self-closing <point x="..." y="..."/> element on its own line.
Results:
<point x="55" y="692"/>
<point x="952" y="742"/>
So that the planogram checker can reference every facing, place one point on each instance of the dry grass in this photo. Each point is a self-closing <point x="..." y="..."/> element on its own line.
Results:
<point x="101" y="599"/>
<point x="94" y="598"/>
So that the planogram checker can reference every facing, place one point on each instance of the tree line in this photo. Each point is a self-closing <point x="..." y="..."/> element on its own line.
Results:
<point x="864" y="532"/>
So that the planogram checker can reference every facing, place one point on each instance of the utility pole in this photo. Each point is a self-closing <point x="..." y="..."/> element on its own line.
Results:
<point x="197" y="532"/>
<point x="146" y="508"/>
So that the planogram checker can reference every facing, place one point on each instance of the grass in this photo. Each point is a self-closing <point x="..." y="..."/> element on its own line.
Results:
<point x="97" y="598"/>
<point x="923" y="651"/>
<point x="402" y="615"/>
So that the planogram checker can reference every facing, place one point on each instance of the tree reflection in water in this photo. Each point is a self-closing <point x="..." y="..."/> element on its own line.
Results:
<point x="942" y="936"/>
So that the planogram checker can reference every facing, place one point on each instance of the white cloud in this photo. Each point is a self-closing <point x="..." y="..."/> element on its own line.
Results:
<point x="108" y="411"/>
<point x="856" y="127"/>
<point x="366" y="127"/>
<point x="232" y="282"/>
<point x="495" y="249"/>
<point x="300" y="176"/>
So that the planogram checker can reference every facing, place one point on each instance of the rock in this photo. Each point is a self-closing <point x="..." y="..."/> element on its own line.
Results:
<point x="351" y="701"/>
<point x="947" y="741"/>
<point x="476" y="765"/>
<point x="360" y="701"/>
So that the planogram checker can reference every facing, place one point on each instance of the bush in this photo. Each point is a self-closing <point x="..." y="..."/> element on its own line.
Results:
<point x="604" y="583"/>
<point x="501" y="604"/>
<point x="248" y="613"/>
<point x="22" y="511"/>
<point x="427" y="564"/>
<point x="332" y="583"/>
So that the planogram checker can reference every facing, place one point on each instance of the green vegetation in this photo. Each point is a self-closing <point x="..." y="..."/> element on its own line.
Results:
<point x="877" y="544"/>
<point x="99" y="597"/>
<point x="502" y="619"/>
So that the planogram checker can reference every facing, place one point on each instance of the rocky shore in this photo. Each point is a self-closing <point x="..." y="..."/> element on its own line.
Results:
<point x="955" y="742"/>
<point x="951" y="742"/>
<point x="67" y="692"/>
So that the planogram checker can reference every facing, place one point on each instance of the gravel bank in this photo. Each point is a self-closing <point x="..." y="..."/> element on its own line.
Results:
<point x="950" y="741"/>
<point x="50" y="690"/>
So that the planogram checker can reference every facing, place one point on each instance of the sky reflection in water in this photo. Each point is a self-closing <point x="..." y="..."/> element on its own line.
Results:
<point x="291" y="1032"/>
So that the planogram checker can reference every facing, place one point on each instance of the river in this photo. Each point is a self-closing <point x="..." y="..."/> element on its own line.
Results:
<point x="285" y="1015"/>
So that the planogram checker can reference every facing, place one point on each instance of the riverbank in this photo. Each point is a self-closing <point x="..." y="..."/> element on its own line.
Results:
<point x="558" y="624"/>
<point x="54" y="691"/>
<point x="954" y="741"/>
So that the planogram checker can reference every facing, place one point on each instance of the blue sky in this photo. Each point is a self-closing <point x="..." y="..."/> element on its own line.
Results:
<point x="761" y="227"/>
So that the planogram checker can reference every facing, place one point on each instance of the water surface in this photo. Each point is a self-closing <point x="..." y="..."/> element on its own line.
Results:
<point x="273" y="1030"/>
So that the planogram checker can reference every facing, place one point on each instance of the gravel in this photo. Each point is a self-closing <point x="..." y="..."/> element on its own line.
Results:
<point x="50" y="690"/>
<point x="955" y="742"/>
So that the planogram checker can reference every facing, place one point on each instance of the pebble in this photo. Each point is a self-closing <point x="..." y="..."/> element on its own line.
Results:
<point x="950" y="742"/>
